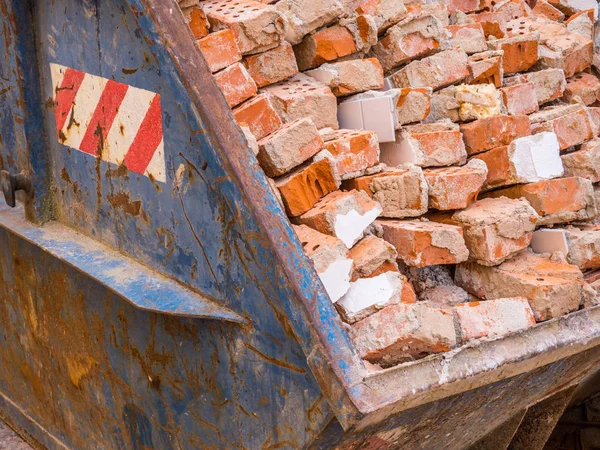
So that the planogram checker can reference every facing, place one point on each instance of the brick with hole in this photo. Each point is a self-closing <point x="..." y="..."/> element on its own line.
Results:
<point x="571" y="123"/>
<point x="401" y="333"/>
<point x="553" y="288"/>
<point x="561" y="200"/>
<point x="582" y="88"/>
<point x="422" y="244"/>
<point x="350" y="77"/>
<point x="549" y="84"/>
<point x="455" y="187"/>
<point x="412" y="38"/>
<point x="525" y="160"/>
<point x="495" y="229"/>
<point x="435" y="71"/>
<point x="220" y="50"/>
<point x="402" y="191"/>
<point x="426" y="145"/>
<point x="257" y="27"/>
<point x="302" y="96"/>
<point x="331" y="260"/>
<point x="485" y="134"/>
<point x="494" y="318"/>
<point x="585" y="162"/>
<point x="343" y="214"/>
<point x="352" y="150"/>
<point x="272" y="65"/>
<point x="302" y="188"/>
<point x="520" y="52"/>
<point x="486" y="67"/>
<point x="236" y="84"/>
<point x="520" y="99"/>
<point x="288" y="147"/>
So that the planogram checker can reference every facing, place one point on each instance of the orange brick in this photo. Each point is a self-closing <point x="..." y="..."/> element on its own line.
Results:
<point x="520" y="98"/>
<point x="302" y="188"/>
<point x="350" y="77"/>
<point x="470" y="37"/>
<point x="584" y="163"/>
<point x="353" y="150"/>
<point x="324" y="46"/>
<point x="220" y="50"/>
<point x="401" y="192"/>
<point x="549" y="83"/>
<point x="273" y="65"/>
<point x="493" y="24"/>
<point x="569" y="52"/>
<point x="413" y="105"/>
<point x="560" y="200"/>
<point x="572" y="124"/>
<point x="236" y="84"/>
<point x="422" y="244"/>
<point x="258" y="114"/>
<point x="486" y="68"/>
<point x="486" y="134"/>
<point x="196" y="20"/>
<point x="455" y="187"/>
<point x="370" y="254"/>
<point x="463" y="5"/>
<point x="520" y="52"/>
<point x="257" y="27"/>
<point x="582" y="88"/>
<point x="545" y="9"/>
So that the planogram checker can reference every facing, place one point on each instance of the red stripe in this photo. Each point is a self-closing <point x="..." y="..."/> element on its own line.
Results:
<point x="147" y="140"/>
<point x="65" y="95"/>
<point x="103" y="118"/>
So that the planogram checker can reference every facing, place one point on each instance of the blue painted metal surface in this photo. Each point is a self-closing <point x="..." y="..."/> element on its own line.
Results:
<point x="185" y="314"/>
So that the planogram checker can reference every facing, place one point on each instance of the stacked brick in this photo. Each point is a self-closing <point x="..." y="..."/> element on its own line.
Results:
<point x="439" y="161"/>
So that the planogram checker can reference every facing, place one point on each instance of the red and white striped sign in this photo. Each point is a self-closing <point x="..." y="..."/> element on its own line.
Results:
<point x="113" y="121"/>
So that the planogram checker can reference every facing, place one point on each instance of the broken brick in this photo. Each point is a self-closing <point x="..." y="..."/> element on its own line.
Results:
<point x="582" y="88"/>
<point x="549" y="84"/>
<point x="220" y="50"/>
<point x="236" y="84"/>
<point x="520" y="98"/>
<point x="520" y="52"/>
<point x="324" y="46"/>
<point x="350" y="77"/>
<point x="273" y="65"/>
<point x="486" y="67"/>
<point x="258" y="114"/>
<point x="486" y="134"/>
<point x="469" y="37"/>
<point x="572" y="124"/>
<point x="584" y="163"/>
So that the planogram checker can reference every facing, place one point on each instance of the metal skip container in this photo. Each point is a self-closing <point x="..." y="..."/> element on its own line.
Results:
<point x="153" y="294"/>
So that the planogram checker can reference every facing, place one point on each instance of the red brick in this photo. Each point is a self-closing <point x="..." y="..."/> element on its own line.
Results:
<point x="520" y="98"/>
<point x="273" y="65"/>
<point x="494" y="317"/>
<point x="560" y="200"/>
<point x="552" y="288"/>
<point x="486" y="134"/>
<point x="324" y="46"/>
<point x="289" y="147"/>
<point x="370" y="254"/>
<point x="455" y="187"/>
<point x="463" y="5"/>
<point x="402" y="192"/>
<point x="549" y="83"/>
<point x="350" y="77"/>
<point x="413" y="105"/>
<point x="385" y="12"/>
<point x="584" y="163"/>
<point x="196" y="20"/>
<point x="545" y="9"/>
<point x="520" y="52"/>
<point x="302" y="188"/>
<point x="353" y="150"/>
<point x="486" y="67"/>
<point x="257" y="27"/>
<point x="470" y="37"/>
<point x="569" y="52"/>
<point x="422" y="244"/>
<point x="572" y="124"/>
<point x="258" y="114"/>
<point x="220" y="50"/>
<point x="304" y="16"/>
<point x="582" y="88"/>
<point x="236" y="84"/>
<point x="493" y="23"/>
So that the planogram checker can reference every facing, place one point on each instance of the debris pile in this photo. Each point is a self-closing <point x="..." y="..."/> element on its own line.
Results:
<point x="439" y="160"/>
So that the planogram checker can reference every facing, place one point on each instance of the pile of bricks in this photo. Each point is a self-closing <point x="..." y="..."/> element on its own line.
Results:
<point x="438" y="159"/>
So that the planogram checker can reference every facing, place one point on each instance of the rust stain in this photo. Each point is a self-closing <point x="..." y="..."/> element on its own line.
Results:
<point x="79" y="367"/>
<point x="121" y="200"/>
<point x="129" y="71"/>
<point x="275" y="361"/>
<point x="120" y="172"/>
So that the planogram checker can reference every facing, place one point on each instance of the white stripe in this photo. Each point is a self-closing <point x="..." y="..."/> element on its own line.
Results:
<point x="57" y="72"/>
<point x="127" y="123"/>
<point x="85" y="104"/>
<point x="156" y="168"/>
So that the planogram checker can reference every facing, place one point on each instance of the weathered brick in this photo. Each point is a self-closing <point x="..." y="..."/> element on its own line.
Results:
<point x="494" y="317"/>
<point x="435" y="71"/>
<point x="572" y="124"/>
<point x="257" y="27"/>
<point x="258" y="114"/>
<point x="426" y="145"/>
<point x="413" y="105"/>
<point x="495" y="229"/>
<point x="486" y="67"/>
<point x="350" y="77"/>
<point x="385" y="12"/>
<point x="402" y="333"/>
<point x="549" y="84"/>
<point x="569" y="52"/>
<point x="486" y="134"/>
<point x="455" y="187"/>
<point x="302" y="188"/>
<point x="220" y="50"/>
<point x="584" y="163"/>
<point x="331" y="259"/>
<point x="370" y="254"/>
<point x="353" y="150"/>
<point x="552" y="288"/>
<point x="582" y="88"/>
<point x="236" y="84"/>
<point x="525" y="160"/>
<point x="196" y="20"/>
<point x="560" y="200"/>
<point x="402" y="192"/>
<point x="273" y="65"/>
<point x="520" y="98"/>
<point x="412" y="38"/>
<point x="463" y="5"/>
<point x="582" y="24"/>
<point x="289" y="147"/>
<point x="326" y="45"/>
<point x="345" y="215"/>
<point x="303" y="96"/>
<point x="580" y="245"/>
<point x="520" y="52"/>
<point x="470" y="37"/>
<point x="493" y="23"/>
<point x="304" y="16"/>
<point x="425" y="243"/>
<point x="545" y="9"/>
<point x="571" y="7"/>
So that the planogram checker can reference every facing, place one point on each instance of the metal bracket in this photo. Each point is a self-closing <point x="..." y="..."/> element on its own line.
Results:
<point x="11" y="183"/>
